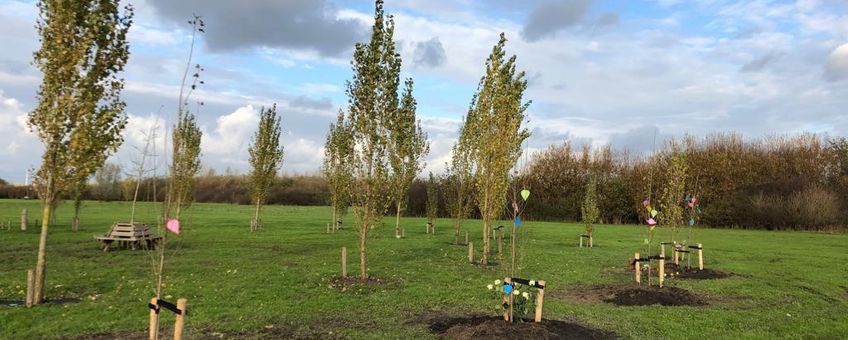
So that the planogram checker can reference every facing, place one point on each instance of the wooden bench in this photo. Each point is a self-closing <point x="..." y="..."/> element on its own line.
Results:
<point x="128" y="235"/>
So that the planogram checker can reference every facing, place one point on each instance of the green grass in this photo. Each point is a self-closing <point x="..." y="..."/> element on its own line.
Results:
<point x="787" y="285"/>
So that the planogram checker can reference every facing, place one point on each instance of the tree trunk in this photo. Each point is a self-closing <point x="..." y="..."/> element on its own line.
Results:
<point x="47" y="212"/>
<point x="456" y="225"/>
<point x="363" y="269"/>
<point x="75" y="221"/>
<point x="397" y="219"/>
<point x="335" y="224"/>
<point x="255" y="225"/>
<point x="487" y="227"/>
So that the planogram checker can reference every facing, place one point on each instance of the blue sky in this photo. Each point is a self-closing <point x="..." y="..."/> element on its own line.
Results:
<point x="600" y="71"/>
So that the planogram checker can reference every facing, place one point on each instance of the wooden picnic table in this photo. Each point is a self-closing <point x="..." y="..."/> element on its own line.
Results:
<point x="132" y="235"/>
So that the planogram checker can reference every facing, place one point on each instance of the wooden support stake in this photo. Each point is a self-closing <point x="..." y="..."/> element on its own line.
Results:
<point x="638" y="268"/>
<point x="402" y="232"/>
<point x="466" y="237"/>
<point x="30" y="292"/>
<point x="662" y="250"/>
<point x="676" y="254"/>
<point x="700" y="257"/>
<point x="507" y="299"/>
<point x="581" y="240"/>
<point x="661" y="271"/>
<point x="179" y="324"/>
<point x="500" y="242"/>
<point x="471" y="252"/>
<point x="153" y="327"/>
<point x="24" y="220"/>
<point x="344" y="261"/>
<point x="590" y="241"/>
<point x="540" y="300"/>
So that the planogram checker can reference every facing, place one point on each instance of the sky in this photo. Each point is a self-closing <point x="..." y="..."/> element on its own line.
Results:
<point x="599" y="71"/>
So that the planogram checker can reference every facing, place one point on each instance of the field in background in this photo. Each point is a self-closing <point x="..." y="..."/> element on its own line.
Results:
<point x="785" y="284"/>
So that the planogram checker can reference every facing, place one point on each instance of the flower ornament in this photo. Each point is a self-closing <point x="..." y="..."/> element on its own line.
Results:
<point x="490" y="287"/>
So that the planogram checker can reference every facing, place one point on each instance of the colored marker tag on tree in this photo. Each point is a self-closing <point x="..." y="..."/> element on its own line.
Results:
<point x="691" y="221"/>
<point x="525" y="194"/>
<point x="653" y="213"/>
<point x="652" y="221"/>
<point x="517" y="221"/>
<point x="173" y="226"/>
<point x="507" y="288"/>
<point x="515" y="207"/>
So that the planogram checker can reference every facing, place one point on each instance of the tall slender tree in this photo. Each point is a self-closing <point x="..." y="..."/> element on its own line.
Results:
<point x="80" y="115"/>
<point x="459" y="183"/>
<point x="336" y="167"/>
<point x="266" y="158"/>
<point x="589" y="210"/>
<point x="494" y="122"/>
<point x="673" y="191"/>
<point x="372" y="101"/>
<point x="408" y="146"/>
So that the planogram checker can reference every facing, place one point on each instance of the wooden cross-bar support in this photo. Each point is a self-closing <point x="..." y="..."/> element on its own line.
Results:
<point x="344" y="261"/>
<point x="180" y="309"/>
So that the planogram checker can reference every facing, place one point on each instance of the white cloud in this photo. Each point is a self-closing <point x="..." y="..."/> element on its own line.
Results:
<point x="228" y="142"/>
<point x="836" y="67"/>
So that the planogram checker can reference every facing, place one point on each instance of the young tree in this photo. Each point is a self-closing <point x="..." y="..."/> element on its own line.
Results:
<point x="336" y="168"/>
<point x="80" y="115"/>
<point x="432" y="199"/>
<point x="459" y="184"/>
<point x="672" y="211"/>
<point x="266" y="157"/>
<point x="589" y="209"/>
<point x="494" y="123"/>
<point x="407" y="148"/>
<point x="372" y="97"/>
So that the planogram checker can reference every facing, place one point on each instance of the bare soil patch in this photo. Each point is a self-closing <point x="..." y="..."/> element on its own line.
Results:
<point x="633" y="295"/>
<point x="492" y="327"/>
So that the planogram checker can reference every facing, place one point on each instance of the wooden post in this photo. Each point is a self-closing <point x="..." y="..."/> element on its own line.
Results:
<point x="153" y="327"/>
<point x="540" y="299"/>
<point x="590" y="241"/>
<point x="638" y="267"/>
<point x="581" y="240"/>
<point x="471" y="252"/>
<point x="662" y="249"/>
<point x="661" y="271"/>
<point x="402" y="232"/>
<point x="24" y="219"/>
<point x="30" y="292"/>
<point x="676" y="254"/>
<point x="180" y="322"/>
<point x="700" y="257"/>
<point x="466" y="237"/>
<point x="507" y="299"/>
<point x="344" y="261"/>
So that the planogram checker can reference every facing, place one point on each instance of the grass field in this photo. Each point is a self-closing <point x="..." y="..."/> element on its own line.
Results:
<point x="275" y="283"/>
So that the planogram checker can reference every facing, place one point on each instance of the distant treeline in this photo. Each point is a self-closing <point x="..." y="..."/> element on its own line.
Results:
<point x="775" y="183"/>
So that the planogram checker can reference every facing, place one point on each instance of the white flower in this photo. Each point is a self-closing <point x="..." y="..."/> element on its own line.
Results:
<point x="490" y="287"/>
<point x="497" y="282"/>
<point x="533" y="283"/>
<point x="525" y="295"/>
<point x="515" y="292"/>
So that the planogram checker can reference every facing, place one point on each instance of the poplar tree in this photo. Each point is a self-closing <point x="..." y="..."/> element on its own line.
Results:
<point x="671" y="209"/>
<point x="337" y="168"/>
<point x="408" y="146"/>
<point x="493" y="130"/>
<point x="266" y="158"/>
<point x="459" y="184"/>
<point x="372" y="100"/>
<point x="79" y="115"/>
<point x="589" y="210"/>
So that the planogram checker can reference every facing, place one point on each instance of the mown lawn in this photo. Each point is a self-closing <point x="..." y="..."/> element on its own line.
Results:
<point x="275" y="283"/>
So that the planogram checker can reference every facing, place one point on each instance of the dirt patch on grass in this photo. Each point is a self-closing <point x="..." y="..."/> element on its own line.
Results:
<point x="674" y="271"/>
<point x="57" y="301"/>
<point x="492" y="327"/>
<point x="633" y="295"/>
<point x="355" y="284"/>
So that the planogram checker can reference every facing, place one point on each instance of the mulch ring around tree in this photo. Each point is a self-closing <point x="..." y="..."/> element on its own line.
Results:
<point x="493" y="327"/>
<point x="633" y="295"/>
<point x="355" y="284"/>
<point x="674" y="271"/>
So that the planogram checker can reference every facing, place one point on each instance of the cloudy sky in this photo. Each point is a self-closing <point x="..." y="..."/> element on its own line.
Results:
<point x="600" y="71"/>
